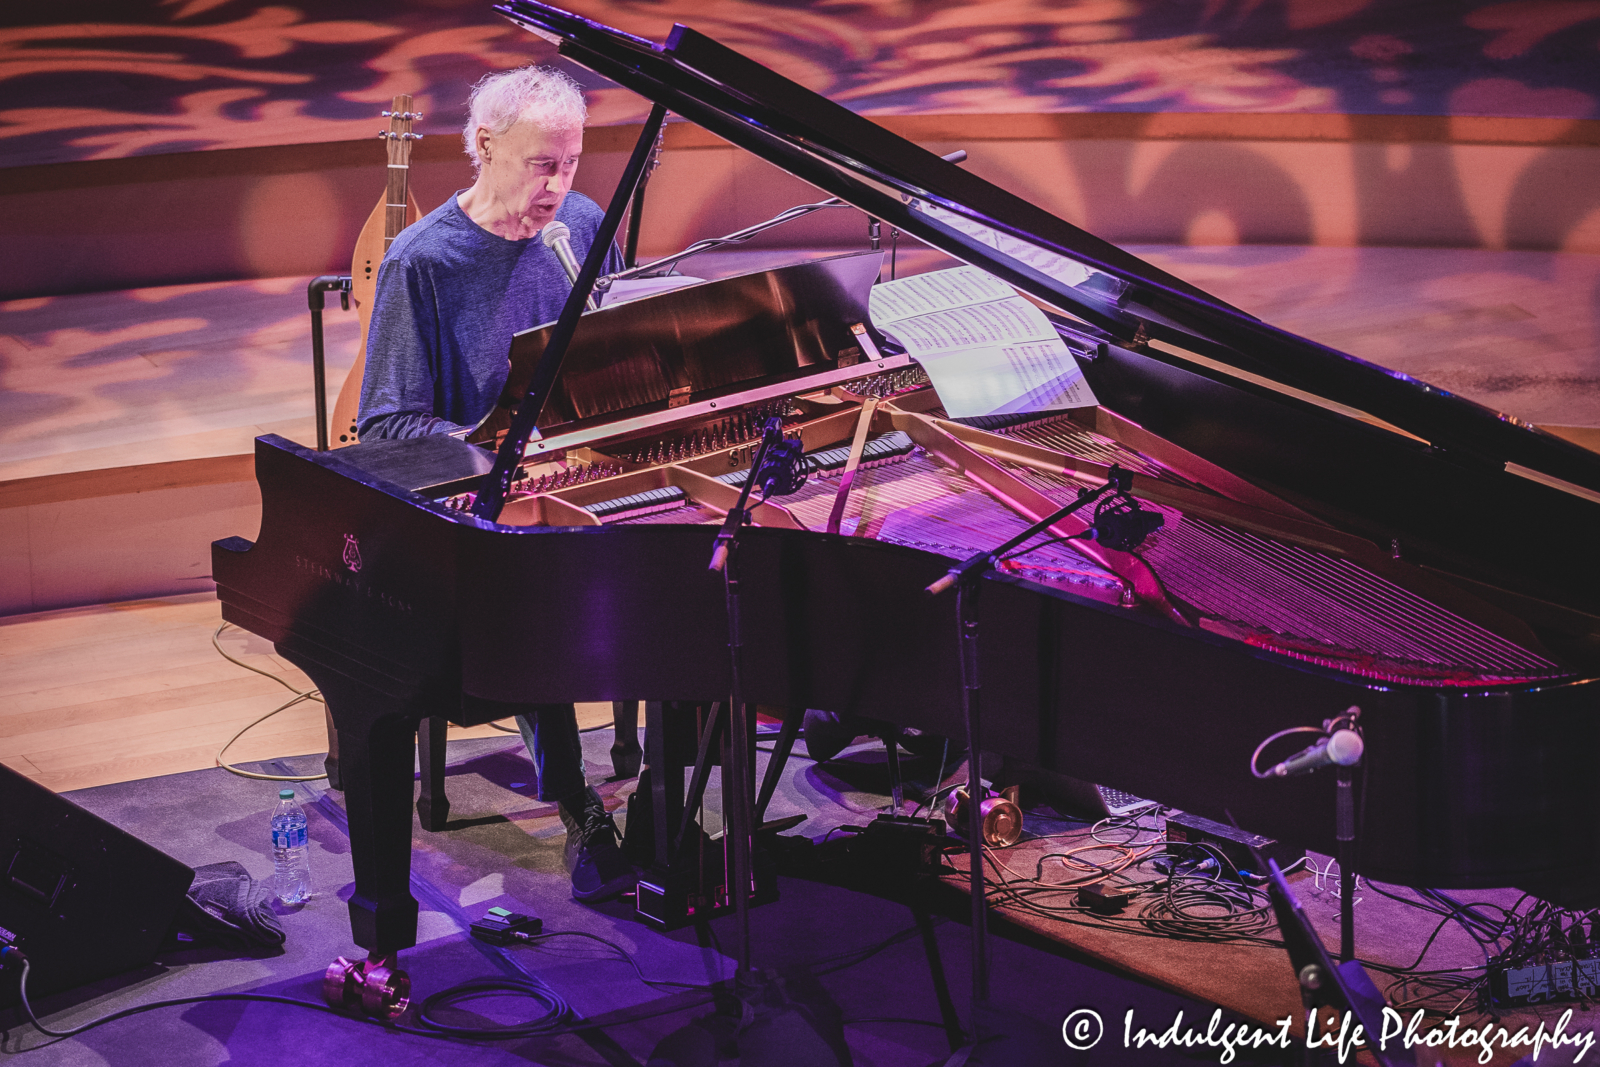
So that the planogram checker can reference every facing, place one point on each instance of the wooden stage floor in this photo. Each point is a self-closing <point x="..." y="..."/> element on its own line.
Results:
<point x="115" y="692"/>
<point x="116" y="380"/>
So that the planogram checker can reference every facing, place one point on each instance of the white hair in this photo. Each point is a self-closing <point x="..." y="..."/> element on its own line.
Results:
<point x="543" y="96"/>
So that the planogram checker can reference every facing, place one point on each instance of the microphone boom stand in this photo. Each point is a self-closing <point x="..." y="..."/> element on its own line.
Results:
<point x="736" y="778"/>
<point x="1344" y="832"/>
<point x="964" y="576"/>
<point x="735" y="238"/>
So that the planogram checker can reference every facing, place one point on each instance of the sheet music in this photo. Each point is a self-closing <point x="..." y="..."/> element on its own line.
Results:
<point x="986" y="349"/>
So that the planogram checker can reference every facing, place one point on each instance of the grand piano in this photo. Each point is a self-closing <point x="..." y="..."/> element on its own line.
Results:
<point x="1335" y="534"/>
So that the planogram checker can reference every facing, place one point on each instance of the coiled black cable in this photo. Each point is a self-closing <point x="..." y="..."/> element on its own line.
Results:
<point x="556" y="1012"/>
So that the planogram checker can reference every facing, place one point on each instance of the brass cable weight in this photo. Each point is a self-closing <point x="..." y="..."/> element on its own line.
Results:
<point x="1000" y="813"/>
<point x="374" y="987"/>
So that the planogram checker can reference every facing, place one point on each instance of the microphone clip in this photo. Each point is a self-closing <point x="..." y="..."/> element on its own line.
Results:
<point x="783" y="465"/>
<point x="1349" y="719"/>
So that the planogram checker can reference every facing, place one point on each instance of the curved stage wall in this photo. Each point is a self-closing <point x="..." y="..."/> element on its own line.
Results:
<point x="151" y="143"/>
<point x="1173" y="178"/>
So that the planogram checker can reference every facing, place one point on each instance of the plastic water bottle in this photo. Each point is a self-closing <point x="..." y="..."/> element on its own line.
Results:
<point x="291" y="872"/>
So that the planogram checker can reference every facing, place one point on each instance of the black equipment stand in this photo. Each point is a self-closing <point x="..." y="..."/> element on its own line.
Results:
<point x="319" y="377"/>
<point x="965" y="577"/>
<point x="1345" y="835"/>
<point x="1346" y="832"/>
<point x="737" y="775"/>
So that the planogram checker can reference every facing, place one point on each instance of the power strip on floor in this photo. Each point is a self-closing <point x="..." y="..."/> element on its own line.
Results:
<point x="1540" y="983"/>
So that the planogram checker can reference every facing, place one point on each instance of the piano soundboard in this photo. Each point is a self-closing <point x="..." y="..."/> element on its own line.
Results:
<point x="1254" y="570"/>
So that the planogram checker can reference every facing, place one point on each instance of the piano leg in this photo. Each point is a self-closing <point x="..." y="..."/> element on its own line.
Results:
<point x="625" y="752"/>
<point x="375" y="739"/>
<point x="433" y="807"/>
<point x="377" y="771"/>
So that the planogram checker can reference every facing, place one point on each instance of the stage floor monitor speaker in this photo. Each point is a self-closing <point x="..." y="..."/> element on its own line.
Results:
<point x="81" y="898"/>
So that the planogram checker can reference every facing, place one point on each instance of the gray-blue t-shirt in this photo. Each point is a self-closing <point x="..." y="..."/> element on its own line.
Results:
<point x="450" y="295"/>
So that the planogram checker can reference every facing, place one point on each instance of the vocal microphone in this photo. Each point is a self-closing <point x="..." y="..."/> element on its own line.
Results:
<point x="558" y="239"/>
<point x="1342" y="748"/>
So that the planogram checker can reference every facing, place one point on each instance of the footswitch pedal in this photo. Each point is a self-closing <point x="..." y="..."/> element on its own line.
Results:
<point x="501" y="927"/>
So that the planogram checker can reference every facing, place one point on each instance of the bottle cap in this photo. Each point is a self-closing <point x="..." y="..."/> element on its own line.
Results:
<point x="286" y="794"/>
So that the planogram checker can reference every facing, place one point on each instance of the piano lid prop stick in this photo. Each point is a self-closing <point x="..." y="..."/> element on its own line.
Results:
<point x="492" y="494"/>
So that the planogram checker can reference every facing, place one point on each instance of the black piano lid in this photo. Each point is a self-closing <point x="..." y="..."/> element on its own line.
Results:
<point x="859" y="161"/>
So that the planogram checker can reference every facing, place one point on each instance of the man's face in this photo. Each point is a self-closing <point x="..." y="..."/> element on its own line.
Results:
<point x="530" y="168"/>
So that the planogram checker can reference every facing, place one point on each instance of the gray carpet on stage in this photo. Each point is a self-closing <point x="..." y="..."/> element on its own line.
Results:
<point x="503" y="848"/>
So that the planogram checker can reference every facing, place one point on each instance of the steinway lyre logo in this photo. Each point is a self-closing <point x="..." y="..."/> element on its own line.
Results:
<point x="352" y="553"/>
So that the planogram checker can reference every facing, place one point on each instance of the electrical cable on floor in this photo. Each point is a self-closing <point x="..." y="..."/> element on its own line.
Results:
<point x="556" y="1011"/>
<point x="1200" y="897"/>
<point x="547" y="1025"/>
<point x="429" y="1030"/>
<point x="1191" y="901"/>
<point x="299" y="696"/>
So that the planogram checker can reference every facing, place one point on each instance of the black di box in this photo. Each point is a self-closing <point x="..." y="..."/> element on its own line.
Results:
<point x="82" y="899"/>
<point x="1184" y="828"/>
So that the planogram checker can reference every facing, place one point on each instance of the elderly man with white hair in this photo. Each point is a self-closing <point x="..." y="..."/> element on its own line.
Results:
<point x="452" y="290"/>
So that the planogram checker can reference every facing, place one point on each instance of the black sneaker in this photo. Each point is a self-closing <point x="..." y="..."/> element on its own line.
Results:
<point x="600" y="871"/>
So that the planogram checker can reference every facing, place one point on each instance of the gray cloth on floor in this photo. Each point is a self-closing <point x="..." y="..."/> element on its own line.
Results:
<point x="226" y="906"/>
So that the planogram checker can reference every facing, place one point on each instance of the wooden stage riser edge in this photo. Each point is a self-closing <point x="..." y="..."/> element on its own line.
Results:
<point x="1185" y="179"/>
<point x="122" y="481"/>
<point x="99" y="549"/>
